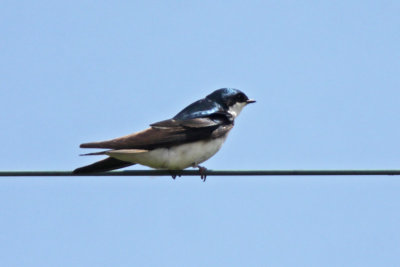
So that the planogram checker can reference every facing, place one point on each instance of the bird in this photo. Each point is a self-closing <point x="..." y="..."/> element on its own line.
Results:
<point x="188" y="139"/>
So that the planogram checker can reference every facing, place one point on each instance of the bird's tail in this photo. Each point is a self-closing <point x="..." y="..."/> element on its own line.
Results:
<point x="104" y="165"/>
<point x="94" y="153"/>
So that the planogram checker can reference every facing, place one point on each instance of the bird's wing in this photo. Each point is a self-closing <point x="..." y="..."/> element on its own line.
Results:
<point x="168" y="133"/>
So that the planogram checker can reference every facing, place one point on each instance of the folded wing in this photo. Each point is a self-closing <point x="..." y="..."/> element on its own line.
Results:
<point x="168" y="133"/>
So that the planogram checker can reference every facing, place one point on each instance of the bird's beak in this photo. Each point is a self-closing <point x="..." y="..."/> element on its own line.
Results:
<point x="249" y="101"/>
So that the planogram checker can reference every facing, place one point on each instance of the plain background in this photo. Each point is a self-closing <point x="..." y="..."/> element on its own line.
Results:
<point x="325" y="75"/>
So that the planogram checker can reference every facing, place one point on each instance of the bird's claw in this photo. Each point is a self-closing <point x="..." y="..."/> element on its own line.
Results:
<point x="174" y="174"/>
<point x="202" y="171"/>
<point x="203" y="175"/>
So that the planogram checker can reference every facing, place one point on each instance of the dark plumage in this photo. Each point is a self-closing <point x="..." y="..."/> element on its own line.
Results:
<point x="209" y="118"/>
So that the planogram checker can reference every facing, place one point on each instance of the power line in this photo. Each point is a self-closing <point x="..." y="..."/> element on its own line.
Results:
<point x="207" y="172"/>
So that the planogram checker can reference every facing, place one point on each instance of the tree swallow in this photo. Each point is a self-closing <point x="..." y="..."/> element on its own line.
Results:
<point x="191" y="137"/>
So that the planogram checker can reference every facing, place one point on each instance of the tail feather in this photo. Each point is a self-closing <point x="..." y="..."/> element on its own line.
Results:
<point x="104" y="165"/>
<point x="94" y="153"/>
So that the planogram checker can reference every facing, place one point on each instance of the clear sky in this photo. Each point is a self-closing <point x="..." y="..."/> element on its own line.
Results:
<point x="325" y="75"/>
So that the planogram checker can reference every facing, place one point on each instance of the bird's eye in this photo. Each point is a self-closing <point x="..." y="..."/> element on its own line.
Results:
<point x="241" y="97"/>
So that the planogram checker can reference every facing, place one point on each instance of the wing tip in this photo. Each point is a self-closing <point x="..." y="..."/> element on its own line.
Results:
<point x="85" y="145"/>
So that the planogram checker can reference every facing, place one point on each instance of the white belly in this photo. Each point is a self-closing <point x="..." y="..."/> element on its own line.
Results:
<point x="173" y="158"/>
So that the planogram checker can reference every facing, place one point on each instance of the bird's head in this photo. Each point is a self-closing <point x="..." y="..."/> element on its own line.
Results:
<point x="232" y="100"/>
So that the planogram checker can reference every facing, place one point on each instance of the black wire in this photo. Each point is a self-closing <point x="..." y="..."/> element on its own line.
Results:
<point x="207" y="172"/>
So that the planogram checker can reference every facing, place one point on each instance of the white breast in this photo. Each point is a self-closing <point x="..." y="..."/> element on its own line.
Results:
<point x="173" y="158"/>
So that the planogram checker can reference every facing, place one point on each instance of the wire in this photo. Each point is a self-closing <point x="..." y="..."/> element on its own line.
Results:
<point x="207" y="172"/>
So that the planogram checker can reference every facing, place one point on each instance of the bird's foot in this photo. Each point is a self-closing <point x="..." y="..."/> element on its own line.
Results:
<point x="174" y="174"/>
<point x="202" y="171"/>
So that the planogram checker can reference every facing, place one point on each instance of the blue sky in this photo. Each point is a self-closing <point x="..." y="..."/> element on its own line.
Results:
<point x="326" y="79"/>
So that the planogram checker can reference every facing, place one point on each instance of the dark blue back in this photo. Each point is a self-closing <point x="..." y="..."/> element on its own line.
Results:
<point x="201" y="108"/>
